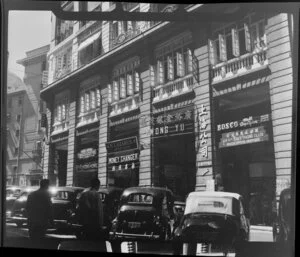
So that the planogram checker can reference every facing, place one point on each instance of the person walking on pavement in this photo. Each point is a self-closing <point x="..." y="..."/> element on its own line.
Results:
<point x="91" y="211"/>
<point x="39" y="211"/>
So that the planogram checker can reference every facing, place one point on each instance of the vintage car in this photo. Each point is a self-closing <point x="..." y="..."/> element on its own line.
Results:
<point x="110" y="198"/>
<point x="213" y="217"/>
<point x="282" y="227"/>
<point x="63" y="200"/>
<point x="11" y="193"/>
<point x="144" y="213"/>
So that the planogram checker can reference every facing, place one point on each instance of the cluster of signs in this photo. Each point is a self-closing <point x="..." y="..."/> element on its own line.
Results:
<point x="203" y="137"/>
<point x="235" y="137"/>
<point x="122" y="154"/>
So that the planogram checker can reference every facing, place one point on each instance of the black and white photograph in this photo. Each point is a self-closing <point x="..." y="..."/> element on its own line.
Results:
<point x="149" y="128"/>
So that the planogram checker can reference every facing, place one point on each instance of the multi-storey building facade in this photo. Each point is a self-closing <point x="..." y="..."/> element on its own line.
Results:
<point x="185" y="105"/>
<point x="25" y="108"/>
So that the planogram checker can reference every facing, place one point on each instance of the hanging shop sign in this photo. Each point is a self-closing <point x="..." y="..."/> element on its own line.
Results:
<point x="87" y="166"/>
<point x="123" y="120"/>
<point x="121" y="161"/>
<point x="203" y="132"/>
<point x="125" y="144"/>
<point x="175" y="122"/>
<point x="245" y="136"/>
<point x="84" y="131"/>
<point x="246" y="122"/>
<point x="87" y="153"/>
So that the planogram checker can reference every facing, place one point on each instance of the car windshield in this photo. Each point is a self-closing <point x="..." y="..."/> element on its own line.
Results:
<point x="196" y="204"/>
<point x="140" y="198"/>
<point x="61" y="195"/>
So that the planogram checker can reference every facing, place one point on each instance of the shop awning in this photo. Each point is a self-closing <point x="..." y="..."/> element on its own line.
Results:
<point x="89" y="40"/>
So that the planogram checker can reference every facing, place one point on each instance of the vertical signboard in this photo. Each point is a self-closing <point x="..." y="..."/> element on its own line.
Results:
<point x="247" y="37"/>
<point x="222" y="47"/>
<point x="235" y="42"/>
<point x="212" y="52"/>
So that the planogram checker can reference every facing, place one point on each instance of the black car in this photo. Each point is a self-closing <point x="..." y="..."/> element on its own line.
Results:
<point x="63" y="200"/>
<point x="213" y="218"/>
<point x="11" y="193"/>
<point x="145" y="213"/>
<point x="282" y="228"/>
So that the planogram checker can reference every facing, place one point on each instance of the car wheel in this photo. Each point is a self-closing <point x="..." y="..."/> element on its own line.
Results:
<point x="19" y="224"/>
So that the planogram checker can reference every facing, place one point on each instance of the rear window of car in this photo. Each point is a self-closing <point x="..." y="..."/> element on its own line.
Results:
<point x="12" y="193"/>
<point x="140" y="198"/>
<point x="62" y="195"/>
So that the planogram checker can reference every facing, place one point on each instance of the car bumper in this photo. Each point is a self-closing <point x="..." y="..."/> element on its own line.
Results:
<point x="130" y="235"/>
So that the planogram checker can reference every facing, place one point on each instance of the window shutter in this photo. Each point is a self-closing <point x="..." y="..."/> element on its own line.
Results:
<point x="63" y="111"/>
<point x="109" y="99"/>
<point x="195" y="68"/>
<point x="180" y="69"/>
<point x="98" y="97"/>
<point x="129" y="25"/>
<point x="170" y="68"/>
<point x="59" y="62"/>
<point x="93" y="99"/>
<point x="129" y="84"/>
<point x="247" y="37"/>
<point x="59" y="116"/>
<point x="152" y="76"/>
<point x="122" y="87"/>
<point x="160" y="72"/>
<point x="235" y="42"/>
<point x="137" y="81"/>
<point x="120" y="28"/>
<point x="87" y="101"/>
<point x="212" y="52"/>
<point x="223" y="49"/>
<point x="190" y="60"/>
<point x="111" y="34"/>
<point x="82" y="104"/>
<point x="69" y="59"/>
<point x="56" y="114"/>
<point x="116" y="90"/>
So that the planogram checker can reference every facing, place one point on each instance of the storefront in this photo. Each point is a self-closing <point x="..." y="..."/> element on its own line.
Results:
<point x="244" y="142"/>
<point x="174" y="149"/>
<point x="86" y="158"/>
<point x="59" y="145"/>
<point x="123" y="151"/>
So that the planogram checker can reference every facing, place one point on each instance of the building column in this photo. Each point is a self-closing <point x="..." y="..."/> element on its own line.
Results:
<point x="102" y="155"/>
<point x="71" y="138"/>
<point x="144" y="125"/>
<point x="281" y="93"/>
<point x="203" y="138"/>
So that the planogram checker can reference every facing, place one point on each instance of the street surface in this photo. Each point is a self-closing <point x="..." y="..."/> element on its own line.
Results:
<point x="18" y="237"/>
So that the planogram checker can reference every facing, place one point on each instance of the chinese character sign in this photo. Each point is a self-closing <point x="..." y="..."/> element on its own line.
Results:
<point x="203" y="132"/>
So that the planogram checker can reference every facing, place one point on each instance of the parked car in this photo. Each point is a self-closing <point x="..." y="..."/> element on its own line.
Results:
<point x="216" y="218"/>
<point x="282" y="227"/>
<point x="11" y="193"/>
<point x="110" y="198"/>
<point x="145" y="213"/>
<point x="63" y="200"/>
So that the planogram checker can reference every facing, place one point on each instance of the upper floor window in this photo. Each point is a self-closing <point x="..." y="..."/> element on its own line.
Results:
<point x="90" y="100"/>
<point x="90" y="49"/>
<point x="64" y="29"/>
<point x="17" y="133"/>
<point x="63" y="63"/>
<point x="174" y="64"/>
<point x="20" y="100"/>
<point x="238" y="39"/>
<point x="129" y="6"/>
<point x="18" y="117"/>
<point x="125" y="81"/>
<point x="61" y="110"/>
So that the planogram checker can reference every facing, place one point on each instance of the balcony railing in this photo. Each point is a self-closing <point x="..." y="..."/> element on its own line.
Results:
<point x="174" y="88"/>
<point x="240" y="65"/>
<point x="60" y="126"/>
<point x="131" y="33"/>
<point x="62" y="72"/>
<point x="125" y="105"/>
<point x="87" y="118"/>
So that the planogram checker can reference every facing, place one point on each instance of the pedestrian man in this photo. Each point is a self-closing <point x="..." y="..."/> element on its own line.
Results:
<point x="39" y="211"/>
<point x="91" y="211"/>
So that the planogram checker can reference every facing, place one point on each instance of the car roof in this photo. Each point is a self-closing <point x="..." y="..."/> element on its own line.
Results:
<point x="179" y="203"/>
<point x="150" y="190"/>
<point x="109" y="189"/>
<point x="66" y="188"/>
<point x="215" y="194"/>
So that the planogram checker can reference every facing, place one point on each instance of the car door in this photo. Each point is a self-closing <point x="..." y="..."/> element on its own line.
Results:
<point x="243" y="219"/>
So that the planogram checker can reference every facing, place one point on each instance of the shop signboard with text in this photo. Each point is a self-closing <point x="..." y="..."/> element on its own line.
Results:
<point x="87" y="159"/>
<point x="125" y="144"/>
<point x="175" y="122"/>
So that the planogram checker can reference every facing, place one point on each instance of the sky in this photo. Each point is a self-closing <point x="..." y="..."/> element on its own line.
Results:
<point x="27" y="30"/>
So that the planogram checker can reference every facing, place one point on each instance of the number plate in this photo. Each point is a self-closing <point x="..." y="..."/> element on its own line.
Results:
<point x="134" y="224"/>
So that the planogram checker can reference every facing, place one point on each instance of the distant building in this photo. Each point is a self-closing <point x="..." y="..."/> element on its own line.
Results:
<point x="25" y="108"/>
